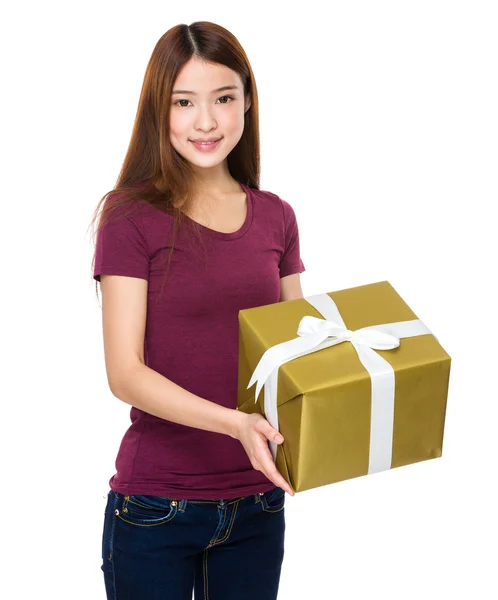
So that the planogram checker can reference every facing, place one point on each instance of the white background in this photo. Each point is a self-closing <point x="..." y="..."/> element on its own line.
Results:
<point x="379" y="126"/>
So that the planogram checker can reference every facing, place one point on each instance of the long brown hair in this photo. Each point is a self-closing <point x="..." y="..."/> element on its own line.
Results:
<point x="152" y="170"/>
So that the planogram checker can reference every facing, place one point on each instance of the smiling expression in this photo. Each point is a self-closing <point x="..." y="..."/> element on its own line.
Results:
<point x="207" y="103"/>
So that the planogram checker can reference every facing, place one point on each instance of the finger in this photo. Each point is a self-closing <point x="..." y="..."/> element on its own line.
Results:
<point x="270" y="470"/>
<point x="272" y="434"/>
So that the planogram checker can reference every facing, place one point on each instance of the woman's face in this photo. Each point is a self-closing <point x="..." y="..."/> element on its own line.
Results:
<point x="206" y="112"/>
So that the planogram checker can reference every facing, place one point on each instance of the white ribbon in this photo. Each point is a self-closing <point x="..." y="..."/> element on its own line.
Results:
<point x="313" y="336"/>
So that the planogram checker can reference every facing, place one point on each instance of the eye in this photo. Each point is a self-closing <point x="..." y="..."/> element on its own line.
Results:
<point x="184" y="100"/>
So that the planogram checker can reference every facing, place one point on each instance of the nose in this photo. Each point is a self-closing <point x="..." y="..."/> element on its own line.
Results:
<point x="205" y="121"/>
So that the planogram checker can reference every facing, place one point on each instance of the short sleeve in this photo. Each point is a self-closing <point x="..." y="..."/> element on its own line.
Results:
<point x="121" y="247"/>
<point x="291" y="258"/>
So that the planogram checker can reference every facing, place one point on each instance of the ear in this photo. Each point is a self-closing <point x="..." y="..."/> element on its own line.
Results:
<point x="248" y="104"/>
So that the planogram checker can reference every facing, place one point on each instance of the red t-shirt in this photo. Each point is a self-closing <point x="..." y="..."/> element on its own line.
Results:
<point x="192" y="338"/>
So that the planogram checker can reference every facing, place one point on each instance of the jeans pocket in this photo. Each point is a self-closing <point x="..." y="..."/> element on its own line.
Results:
<point x="274" y="500"/>
<point x="147" y="510"/>
<point x="108" y="530"/>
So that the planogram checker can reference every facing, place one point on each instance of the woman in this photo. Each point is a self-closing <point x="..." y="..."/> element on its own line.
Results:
<point x="196" y="503"/>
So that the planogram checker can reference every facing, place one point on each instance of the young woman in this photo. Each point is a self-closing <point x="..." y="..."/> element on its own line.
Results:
<point x="185" y="240"/>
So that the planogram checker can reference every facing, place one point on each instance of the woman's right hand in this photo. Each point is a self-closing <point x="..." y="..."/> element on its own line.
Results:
<point x="253" y="432"/>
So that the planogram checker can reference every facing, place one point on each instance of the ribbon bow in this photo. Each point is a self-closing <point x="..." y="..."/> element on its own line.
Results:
<point x="316" y="334"/>
<point x="368" y="336"/>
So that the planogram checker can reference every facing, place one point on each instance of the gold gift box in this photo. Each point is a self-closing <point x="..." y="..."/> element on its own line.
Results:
<point x="324" y="399"/>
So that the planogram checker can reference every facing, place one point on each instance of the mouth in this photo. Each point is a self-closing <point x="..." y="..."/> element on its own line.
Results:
<point x="203" y="146"/>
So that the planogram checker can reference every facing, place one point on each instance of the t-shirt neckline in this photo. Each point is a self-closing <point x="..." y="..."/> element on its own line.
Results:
<point x="233" y="235"/>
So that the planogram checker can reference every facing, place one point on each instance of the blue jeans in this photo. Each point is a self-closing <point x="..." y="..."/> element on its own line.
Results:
<point x="158" y="548"/>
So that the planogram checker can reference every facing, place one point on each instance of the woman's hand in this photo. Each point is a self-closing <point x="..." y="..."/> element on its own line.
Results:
<point x="253" y="432"/>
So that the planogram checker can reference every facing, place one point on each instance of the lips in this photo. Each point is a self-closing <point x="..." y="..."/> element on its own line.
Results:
<point x="209" y="141"/>
<point x="206" y="147"/>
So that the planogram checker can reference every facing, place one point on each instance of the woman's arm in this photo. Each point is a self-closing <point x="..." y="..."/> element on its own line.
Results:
<point x="290" y="287"/>
<point x="157" y="395"/>
<point x="124" y="305"/>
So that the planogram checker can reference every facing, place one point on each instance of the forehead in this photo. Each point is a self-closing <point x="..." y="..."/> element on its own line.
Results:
<point x="202" y="77"/>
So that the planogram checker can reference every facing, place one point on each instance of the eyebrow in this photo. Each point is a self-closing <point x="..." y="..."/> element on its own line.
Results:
<point x="221" y="89"/>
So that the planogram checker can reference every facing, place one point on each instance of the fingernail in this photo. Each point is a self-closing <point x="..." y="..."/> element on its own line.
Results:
<point x="278" y="438"/>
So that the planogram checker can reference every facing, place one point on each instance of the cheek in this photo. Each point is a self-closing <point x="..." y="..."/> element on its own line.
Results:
<point x="179" y="123"/>
<point x="233" y="120"/>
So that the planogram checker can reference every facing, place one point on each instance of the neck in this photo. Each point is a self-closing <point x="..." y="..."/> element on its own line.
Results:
<point x="214" y="182"/>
